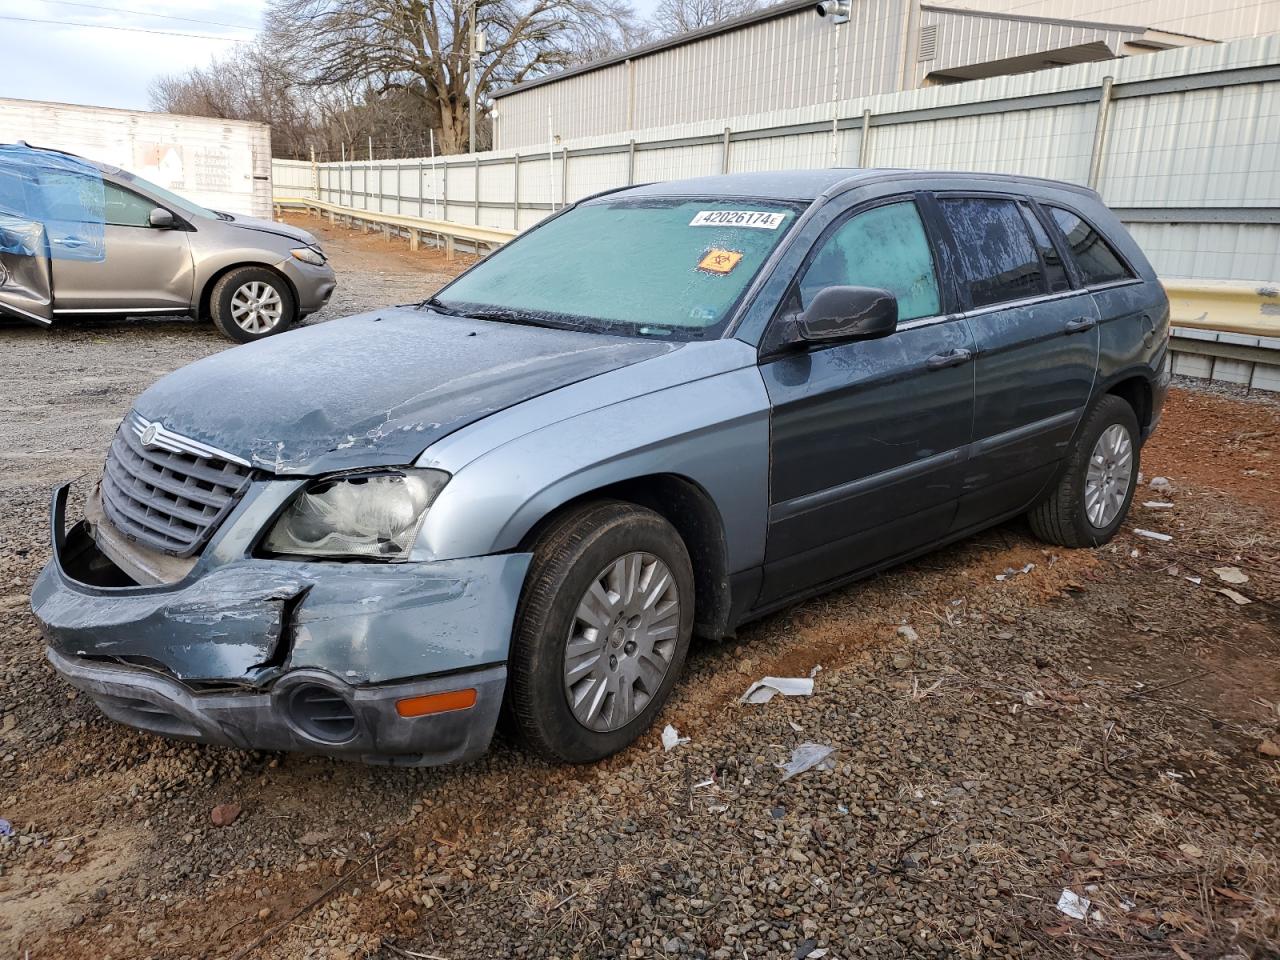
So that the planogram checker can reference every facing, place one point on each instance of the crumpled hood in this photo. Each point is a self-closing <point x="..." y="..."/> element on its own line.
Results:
<point x="375" y="389"/>
<point x="280" y="229"/>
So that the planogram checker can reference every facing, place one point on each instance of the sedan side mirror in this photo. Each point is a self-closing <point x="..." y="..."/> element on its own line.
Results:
<point x="842" y="314"/>
<point x="162" y="219"/>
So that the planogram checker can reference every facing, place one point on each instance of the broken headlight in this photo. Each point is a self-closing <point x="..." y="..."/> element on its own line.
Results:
<point x="374" y="515"/>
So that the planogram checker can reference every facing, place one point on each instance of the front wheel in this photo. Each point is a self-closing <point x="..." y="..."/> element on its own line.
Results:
<point x="1092" y="496"/>
<point x="601" y="633"/>
<point x="250" y="303"/>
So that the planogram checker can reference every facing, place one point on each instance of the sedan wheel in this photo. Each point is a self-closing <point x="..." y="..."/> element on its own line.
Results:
<point x="249" y="303"/>
<point x="622" y="641"/>
<point x="256" y="307"/>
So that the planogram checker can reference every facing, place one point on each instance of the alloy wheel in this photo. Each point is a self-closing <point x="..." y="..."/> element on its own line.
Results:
<point x="256" y="307"/>
<point x="1107" y="480"/>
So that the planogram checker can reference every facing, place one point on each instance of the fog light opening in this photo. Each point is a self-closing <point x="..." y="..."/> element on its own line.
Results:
<point x="431" y="703"/>
<point x="321" y="713"/>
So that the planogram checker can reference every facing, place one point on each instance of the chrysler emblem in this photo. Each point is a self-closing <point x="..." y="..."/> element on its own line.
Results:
<point x="150" y="433"/>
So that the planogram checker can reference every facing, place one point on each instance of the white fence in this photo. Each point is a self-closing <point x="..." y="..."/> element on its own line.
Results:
<point x="1184" y="145"/>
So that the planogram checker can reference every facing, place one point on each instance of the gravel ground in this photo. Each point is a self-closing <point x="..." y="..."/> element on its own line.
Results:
<point x="1092" y="721"/>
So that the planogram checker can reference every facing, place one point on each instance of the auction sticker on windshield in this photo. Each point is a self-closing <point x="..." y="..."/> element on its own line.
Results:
<point x="755" y="219"/>
<point x="719" y="261"/>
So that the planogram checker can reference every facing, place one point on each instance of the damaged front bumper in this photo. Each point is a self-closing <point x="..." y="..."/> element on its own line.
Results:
<point x="281" y="655"/>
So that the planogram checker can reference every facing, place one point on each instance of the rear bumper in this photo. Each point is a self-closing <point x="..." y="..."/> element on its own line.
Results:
<point x="282" y="719"/>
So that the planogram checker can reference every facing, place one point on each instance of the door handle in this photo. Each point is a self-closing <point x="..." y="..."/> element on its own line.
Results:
<point x="71" y="242"/>
<point x="1081" y="324"/>
<point x="952" y="358"/>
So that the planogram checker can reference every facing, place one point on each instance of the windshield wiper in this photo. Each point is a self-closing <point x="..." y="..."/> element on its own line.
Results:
<point x="438" y="305"/>
<point x="496" y="314"/>
<point x="514" y="316"/>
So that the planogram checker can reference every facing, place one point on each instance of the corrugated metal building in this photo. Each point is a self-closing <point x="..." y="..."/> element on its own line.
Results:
<point x="786" y="56"/>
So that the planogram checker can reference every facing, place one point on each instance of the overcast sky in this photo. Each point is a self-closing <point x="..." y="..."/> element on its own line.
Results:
<point x="112" y="68"/>
<point x="67" y="63"/>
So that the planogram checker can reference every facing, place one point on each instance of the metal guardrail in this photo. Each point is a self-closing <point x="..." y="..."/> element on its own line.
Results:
<point x="1226" y="331"/>
<point x="1225" y="306"/>
<point x="415" y="228"/>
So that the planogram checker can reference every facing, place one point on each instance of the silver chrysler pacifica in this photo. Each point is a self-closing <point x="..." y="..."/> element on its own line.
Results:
<point x="663" y="412"/>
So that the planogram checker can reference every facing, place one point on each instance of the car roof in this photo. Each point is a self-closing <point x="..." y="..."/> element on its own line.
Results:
<point x="812" y="184"/>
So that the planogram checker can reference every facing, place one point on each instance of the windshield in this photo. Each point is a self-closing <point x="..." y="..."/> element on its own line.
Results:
<point x="640" y="267"/>
<point x="168" y="196"/>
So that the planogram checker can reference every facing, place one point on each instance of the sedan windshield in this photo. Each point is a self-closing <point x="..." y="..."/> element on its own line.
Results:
<point x="640" y="267"/>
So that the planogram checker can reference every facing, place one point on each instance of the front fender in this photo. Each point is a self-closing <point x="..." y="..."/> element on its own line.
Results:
<point x="713" y="431"/>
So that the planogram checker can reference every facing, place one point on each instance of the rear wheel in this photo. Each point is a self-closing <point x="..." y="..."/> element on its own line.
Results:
<point x="1093" y="495"/>
<point x="249" y="303"/>
<point x="602" y="631"/>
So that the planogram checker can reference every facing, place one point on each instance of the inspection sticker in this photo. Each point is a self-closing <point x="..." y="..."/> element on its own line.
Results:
<point x="719" y="261"/>
<point x="755" y="219"/>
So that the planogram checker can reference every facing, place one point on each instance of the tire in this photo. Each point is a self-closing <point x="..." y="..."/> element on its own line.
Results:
<point x="579" y="549"/>
<point x="1063" y="518"/>
<point x="276" y="312"/>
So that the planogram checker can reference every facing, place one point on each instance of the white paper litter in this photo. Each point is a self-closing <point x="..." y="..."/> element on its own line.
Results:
<point x="709" y="782"/>
<point x="815" y="671"/>
<point x="1231" y="575"/>
<point x="1195" y="580"/>
<point x="1013" y="572"/>
<point x="817" y="954"/>
<point x="1074" y="905"/>
<point x="1153" y="535"/>
<point x="806" y="757"/>
<point x="762" y="691"/>
<point x="1157" y="505"/>
<point x="671" y="738"/>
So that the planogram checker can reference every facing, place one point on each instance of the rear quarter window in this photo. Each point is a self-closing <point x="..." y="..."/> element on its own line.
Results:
<point x="1094" y="257"/>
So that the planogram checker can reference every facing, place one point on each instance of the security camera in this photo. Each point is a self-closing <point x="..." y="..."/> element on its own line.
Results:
<point x="837" y="9"/>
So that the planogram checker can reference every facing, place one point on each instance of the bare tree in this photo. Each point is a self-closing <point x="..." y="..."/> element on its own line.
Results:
<point x="256" y="85"/>
<point x="672" y="17"/>
<point x="421" y="47"/>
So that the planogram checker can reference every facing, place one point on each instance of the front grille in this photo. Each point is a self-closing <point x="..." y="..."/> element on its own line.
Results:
<point x="168" y="493"/>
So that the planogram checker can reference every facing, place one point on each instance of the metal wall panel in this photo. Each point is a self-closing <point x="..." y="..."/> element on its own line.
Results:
<point x="1215" y="251"/>
<point x="1214" y="19"/>
<point x="1053" y="142"/>
<point x="965" y="39"/>
<point x="1216" y="147"/>
<point x="1191" y="160"/>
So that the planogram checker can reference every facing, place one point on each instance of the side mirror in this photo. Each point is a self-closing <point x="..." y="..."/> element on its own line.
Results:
<point x="842" y="314"/>
<point x="162" y="219"/>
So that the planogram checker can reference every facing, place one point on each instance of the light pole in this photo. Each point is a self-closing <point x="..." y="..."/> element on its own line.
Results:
<point x="471" y="80"/>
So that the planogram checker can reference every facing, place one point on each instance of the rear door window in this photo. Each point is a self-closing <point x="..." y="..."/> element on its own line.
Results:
<point x="1097" y="262"/>
<point x="884" y="247"/>
<point x="997" y="260"/>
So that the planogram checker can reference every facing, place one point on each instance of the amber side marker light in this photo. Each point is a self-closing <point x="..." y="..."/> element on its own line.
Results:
<point x="436" y="703"/>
